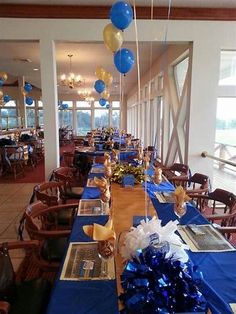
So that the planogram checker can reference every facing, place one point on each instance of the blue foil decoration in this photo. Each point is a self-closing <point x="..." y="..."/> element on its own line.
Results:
<point x="154" y="284"/>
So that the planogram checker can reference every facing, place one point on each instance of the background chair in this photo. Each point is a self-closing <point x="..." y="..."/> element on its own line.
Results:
<point x="27" y="296"/>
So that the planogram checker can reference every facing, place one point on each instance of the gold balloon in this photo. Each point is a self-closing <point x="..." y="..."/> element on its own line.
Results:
<point x="100" y="72"/>
<point x="3" y="76"/>
<point x="105" y="94"/>
<point x="108" y="78"/>
<point x="113" y="37"/>
<point x="1" y="94"/>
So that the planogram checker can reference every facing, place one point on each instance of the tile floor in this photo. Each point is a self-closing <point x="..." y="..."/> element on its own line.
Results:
<point x="13" y="199"/>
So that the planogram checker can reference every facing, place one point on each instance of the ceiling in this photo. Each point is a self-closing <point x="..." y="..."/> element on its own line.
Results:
<point x="174" y="3"/>
<point x="86" y="58"/>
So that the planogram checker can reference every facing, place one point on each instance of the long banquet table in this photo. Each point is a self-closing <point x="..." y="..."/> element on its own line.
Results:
<point x="100" y="297"/>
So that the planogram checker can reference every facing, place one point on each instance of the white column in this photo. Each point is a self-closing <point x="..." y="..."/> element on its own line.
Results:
<point x="204" y="85"/>
<point x="50" y="100"/>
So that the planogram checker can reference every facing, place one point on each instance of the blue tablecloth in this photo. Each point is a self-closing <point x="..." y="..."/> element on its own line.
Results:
<point x="84" y="297"/>
<point x="90" y="193"/>
<point x="219" y="284"/>
<point x="126" y="155"/>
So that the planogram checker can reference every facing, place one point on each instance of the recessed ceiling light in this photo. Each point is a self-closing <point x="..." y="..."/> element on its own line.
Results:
<point x="35" y="69"/>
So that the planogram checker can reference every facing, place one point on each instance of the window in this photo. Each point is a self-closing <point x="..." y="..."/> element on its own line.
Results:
<point x="101" y="118"/>
<point x="180" y="72"/>
<point x="65" y="118"/>
<point x="228" y="68"/>
<point x="115" y="118"/>
<point x="83" y="104"/>
<point x="115" y="104"/>
<point x="8" y="118"/>
<point x="226" y="121"/>
<point x="40" y="103"/>
<point x="30" y="117"/>
<point x="83" y="121"/>
<point x="40" y="117"/>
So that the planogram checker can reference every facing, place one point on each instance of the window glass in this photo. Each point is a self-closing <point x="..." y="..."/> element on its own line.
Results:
<point x="226" y="121"/>
<point x="115" y="118"/>
<point x="40" y="117"/>
<point x="40" y="103"/>
<point x="30" y="117"/>
<point x="84" y="104"/>
<point x="115" y="104"/>
<point x="228" y="68"/>
<point x="65" y="118"/>
<point x="8" y="123"/>
<point x="101" y="118"/>
<point x="8" y="112"/>
<point x="83" y="121"/>
<point x="180" y="72"/>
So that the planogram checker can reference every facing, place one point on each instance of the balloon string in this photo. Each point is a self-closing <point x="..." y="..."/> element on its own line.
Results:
<point x="167" y="23"/>
<point x="137" y="52"/>
<point x="139" y="101"/>
<point x="120" y="107"/>
<point x="150" y="61"/>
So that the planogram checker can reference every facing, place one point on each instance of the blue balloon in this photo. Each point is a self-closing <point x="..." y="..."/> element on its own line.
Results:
<point x="64" y="106"/>
<point x="28" y="87"/>
<point x="124" y="60"/>
<point x="6" y="98"/>
<point x="107" y="106"/>
<point x="1" y="82"/>
<point x="102" y="102"/>
<point x="121" y="14"/>
<point x="99" y="86"/>
<point x="29" y="100"/>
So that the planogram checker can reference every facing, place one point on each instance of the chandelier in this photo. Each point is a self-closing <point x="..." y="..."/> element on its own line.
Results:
<point x="85" y="94"/>
<point x="71" y="80"/>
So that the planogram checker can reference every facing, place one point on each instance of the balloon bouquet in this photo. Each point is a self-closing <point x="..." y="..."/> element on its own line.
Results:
<point x="121" y="15"/>
<point x="104" y="80"/>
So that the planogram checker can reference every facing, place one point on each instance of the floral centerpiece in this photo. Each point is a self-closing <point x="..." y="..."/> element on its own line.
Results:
<point x="120" y="171"/>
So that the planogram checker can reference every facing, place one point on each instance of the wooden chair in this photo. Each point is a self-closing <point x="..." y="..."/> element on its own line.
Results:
<point x="49" y="193"/>
<point x="177" y="174"/>
<point x="14" y="160"/>
<point x="42" y="223"/>
<point x="217" y="202"/>
<point x="66" y="175"/>
<point x="68" y="159"/>
<point x="24" y="296"/>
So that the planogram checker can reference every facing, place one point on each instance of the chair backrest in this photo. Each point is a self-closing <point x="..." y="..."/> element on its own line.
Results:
<point x="182" y="168"/>
<point x="39" y="219"/>
<point x="68" y="158"/>
<point x="225" y="197"/>
<point x="48" y="192"/>
<point x="201" y="179"/>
